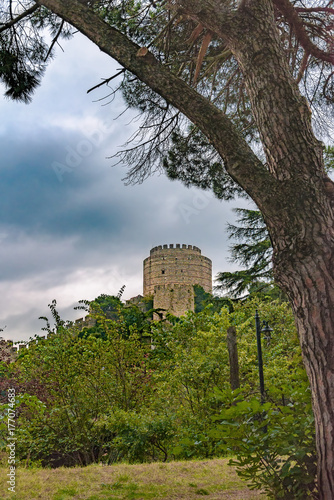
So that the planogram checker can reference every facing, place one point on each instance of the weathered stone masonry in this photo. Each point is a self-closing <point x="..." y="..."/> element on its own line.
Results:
<point x="170" y="272"/>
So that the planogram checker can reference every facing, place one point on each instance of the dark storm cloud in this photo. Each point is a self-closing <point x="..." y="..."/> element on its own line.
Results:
<point x="33" y="199"/>
<point x="66" y="218"/>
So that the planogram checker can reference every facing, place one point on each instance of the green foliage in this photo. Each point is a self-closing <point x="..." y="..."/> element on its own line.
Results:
<point x="94" y="398"/>
<point x="254" y="253"/>
<point x="82" y="379"/>
<point x="204" y="299"/>
<point x="107" y="304"/>
<point x="274" y="445"/>
<point x="329" y="159"/>
<point x="108" y="307"/>
<point x="18" y="78"/>
<point x="198" y="363"/>
<point x="192" y="160"/>
<point x="283" y="367"/>
<point x="23" y="51"/>
<point x="201" y="298"/>
<point x="138" y="437"/>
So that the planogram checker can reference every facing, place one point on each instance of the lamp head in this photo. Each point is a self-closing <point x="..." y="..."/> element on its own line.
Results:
<point x="266" y="330"/>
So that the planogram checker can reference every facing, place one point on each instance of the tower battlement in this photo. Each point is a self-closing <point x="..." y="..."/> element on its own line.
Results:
<point x="176" y="247"/>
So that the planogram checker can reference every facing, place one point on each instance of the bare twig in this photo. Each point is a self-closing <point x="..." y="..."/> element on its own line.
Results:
<point x="105" y="82"/>
<point x="54" y="41"/>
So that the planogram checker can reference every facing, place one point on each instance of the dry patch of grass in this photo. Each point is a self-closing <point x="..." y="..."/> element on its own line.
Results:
<point x="210" y="479"/>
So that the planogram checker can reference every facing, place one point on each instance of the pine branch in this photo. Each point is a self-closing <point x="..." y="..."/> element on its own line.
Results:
<point x="15" y="20"/>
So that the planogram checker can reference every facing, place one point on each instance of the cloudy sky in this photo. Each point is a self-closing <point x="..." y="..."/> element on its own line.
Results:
<point x="69" y="227"/>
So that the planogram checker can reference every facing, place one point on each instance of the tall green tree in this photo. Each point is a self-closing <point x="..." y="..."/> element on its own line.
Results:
<point x="253" y="252"/>
<point x="239" y="71"/>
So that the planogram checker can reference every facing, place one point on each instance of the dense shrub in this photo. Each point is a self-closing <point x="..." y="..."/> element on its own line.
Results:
<point x="105" y="395"/>
<point x="273" y="445"/>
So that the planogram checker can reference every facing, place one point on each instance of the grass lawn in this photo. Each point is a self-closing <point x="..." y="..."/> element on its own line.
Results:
<point x="211" y="479"/>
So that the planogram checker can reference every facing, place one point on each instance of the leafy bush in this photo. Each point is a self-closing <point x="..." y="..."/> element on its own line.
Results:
<point x="138" y="437"/>
<point x="106" y="396"/>
<point x="81" y="378"/>
<point x="274" y="445"/>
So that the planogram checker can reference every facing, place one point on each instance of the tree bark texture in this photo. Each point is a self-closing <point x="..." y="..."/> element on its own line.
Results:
<point x="292" y="190"/>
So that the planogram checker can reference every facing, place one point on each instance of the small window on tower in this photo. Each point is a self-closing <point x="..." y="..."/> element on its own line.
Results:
<point x="163" y="271"/>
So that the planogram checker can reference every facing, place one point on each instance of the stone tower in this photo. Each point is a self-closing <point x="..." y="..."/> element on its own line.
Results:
<point x="170" y="274"/>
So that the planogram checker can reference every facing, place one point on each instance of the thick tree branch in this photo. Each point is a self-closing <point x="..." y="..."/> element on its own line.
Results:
<point x="241" y="163"/>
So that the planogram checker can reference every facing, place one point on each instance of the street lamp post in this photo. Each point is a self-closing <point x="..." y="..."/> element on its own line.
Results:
<point x="266" y="329"/>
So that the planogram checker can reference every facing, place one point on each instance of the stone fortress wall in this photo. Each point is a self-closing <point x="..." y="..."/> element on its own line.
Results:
<point x="170" y="273"/>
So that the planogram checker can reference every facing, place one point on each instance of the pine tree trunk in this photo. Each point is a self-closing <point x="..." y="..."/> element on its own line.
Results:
<point x="299" y="215"/>
<point x="308" y="280"/>
<point x="316" y="331"/>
